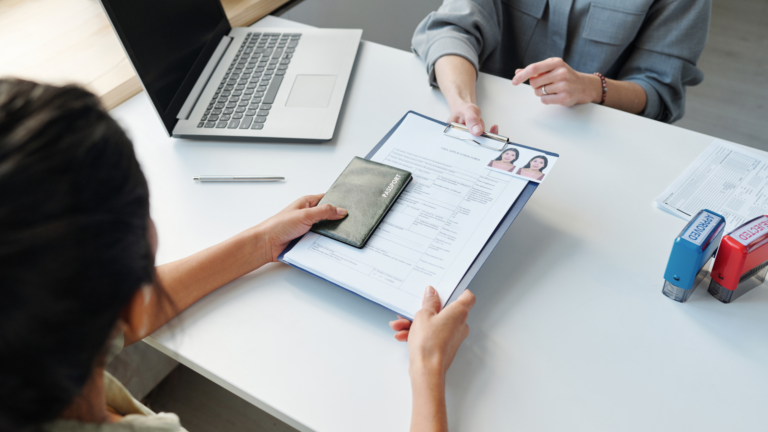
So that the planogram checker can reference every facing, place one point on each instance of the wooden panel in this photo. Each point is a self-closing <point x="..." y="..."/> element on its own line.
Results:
<point x="245" y="12"/>
<point x="71" y="41"/>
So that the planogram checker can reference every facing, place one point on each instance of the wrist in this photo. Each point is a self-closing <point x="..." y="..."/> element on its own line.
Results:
<point x="429" y="372"/>
<point x="456" y="77"/>
<point x="603" y="87"/>
<point x="258" y="238"/>
<point x="428" y="394"/>
<point x="457" y="102"/>
<point x="594" y="89"/>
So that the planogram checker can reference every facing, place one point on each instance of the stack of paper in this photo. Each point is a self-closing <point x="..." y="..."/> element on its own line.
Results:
<point x="727" y="179"/>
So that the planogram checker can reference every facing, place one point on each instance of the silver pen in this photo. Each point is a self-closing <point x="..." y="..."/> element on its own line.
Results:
<point x="237" y="178"/>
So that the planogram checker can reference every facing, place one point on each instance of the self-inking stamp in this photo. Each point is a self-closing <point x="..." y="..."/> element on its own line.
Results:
<point x="691" y="251"/>
<point x="742" y="261"/>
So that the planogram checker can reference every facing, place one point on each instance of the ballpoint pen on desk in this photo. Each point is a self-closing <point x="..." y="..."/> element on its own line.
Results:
<point x="237" y="178"/>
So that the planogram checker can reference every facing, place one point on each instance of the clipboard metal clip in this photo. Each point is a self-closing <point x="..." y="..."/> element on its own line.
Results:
<point x="504" y="140"/>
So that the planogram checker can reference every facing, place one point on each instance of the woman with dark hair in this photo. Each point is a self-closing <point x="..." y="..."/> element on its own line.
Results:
<point x="78" y="277"/>
<point x="533" y="168"/>
<point x="505" y="160"/>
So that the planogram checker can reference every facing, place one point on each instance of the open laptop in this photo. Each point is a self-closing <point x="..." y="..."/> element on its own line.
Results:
<point x="208" y="80"/>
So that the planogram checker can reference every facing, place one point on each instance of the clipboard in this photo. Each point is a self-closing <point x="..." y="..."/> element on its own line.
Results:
<point x="493" y="240"/>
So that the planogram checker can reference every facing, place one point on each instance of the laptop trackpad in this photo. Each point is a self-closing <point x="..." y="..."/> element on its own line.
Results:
<point x="311" y="91"/>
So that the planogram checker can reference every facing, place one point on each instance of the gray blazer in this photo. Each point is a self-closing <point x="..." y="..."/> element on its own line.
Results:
<point x="655" y="43"/>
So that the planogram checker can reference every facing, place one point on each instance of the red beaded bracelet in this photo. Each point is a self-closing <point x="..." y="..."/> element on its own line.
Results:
<point x="605" y="86"/>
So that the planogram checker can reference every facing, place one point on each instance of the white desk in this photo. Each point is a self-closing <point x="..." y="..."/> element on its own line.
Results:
<point x="570" y="331"/>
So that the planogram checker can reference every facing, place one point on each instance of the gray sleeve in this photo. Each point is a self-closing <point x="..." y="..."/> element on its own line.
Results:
<point x="467" y="28"/>
<point x="665" y="54"/>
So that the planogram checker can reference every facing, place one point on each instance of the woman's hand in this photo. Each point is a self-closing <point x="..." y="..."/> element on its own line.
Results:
<point x="294" y="221"/>
<point x="189" y="279"/>
<point x="456" y="77"/>
<point x="468" y="114"/>
<point x="563" y="85"/>
<point x="433" y="339"/>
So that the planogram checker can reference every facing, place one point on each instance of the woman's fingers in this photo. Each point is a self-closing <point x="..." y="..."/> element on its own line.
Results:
<point x="323" y="212"/>
<point x="472" y="120"/>
<point x="466" y="299"/>
<point x="563" y="99"/>
<point x="552" y="88"/>
<point x="470" y="116"/>
<point x="560" y="85"/>
<point x="306" y="201"/>
<point x="559" y="92"/>
<point x="495" y="129"/>
<point x="458" y="311"/>
<point x="400" y="324"/>
<point x="536" y="69"/>
<point x="431" y="301"/>
<point x="552" y="78"/>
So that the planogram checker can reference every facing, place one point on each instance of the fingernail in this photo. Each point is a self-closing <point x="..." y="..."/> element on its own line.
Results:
<point x="430" y="292"/>
<point x="476" y="129"/>
<point x="340" y="211"/>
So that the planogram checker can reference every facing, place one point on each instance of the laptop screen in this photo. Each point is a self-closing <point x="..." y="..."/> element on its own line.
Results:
<point x="168" y="42"/>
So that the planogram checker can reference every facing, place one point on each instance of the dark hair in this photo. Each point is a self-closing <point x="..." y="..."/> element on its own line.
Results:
<point x="517" y="154"/>
<point x="74" y="209"/>
<point x="546" y="162"/>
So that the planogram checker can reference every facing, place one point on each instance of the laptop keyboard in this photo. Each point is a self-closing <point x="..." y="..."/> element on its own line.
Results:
<point x="245" y="95"/>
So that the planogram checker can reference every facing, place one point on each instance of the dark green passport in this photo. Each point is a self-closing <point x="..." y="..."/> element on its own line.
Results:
<point x="367" y="190"/>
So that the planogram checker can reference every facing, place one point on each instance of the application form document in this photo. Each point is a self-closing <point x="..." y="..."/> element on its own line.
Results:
<point x="433" y="232"/>
<point x="727" y="179"/>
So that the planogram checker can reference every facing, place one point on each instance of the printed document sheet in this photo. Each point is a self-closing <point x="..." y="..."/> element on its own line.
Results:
<point x="727" y="179"/>
<point x="436" y="228"/>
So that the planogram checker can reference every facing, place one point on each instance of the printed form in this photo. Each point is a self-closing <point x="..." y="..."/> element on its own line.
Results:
<point x="433" y="232"/>
<point x="725" y="178"/>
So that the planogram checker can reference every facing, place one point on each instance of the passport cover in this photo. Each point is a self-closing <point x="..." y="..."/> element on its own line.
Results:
<point x="367" y="190"/>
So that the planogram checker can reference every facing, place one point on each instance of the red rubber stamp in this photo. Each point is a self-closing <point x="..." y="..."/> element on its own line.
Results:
<point x="742" y="261"/>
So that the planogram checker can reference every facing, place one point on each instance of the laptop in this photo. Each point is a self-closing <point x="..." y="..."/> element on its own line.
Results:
<point x="207" y="80"/>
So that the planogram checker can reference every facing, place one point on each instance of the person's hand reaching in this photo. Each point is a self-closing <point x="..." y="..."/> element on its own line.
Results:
<point x="294" y="221"/>
<point x="456" y="77"/>
<point x="433" y="339"/>
<point x="434" y="335"/>
<point x="469" y="115"/>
